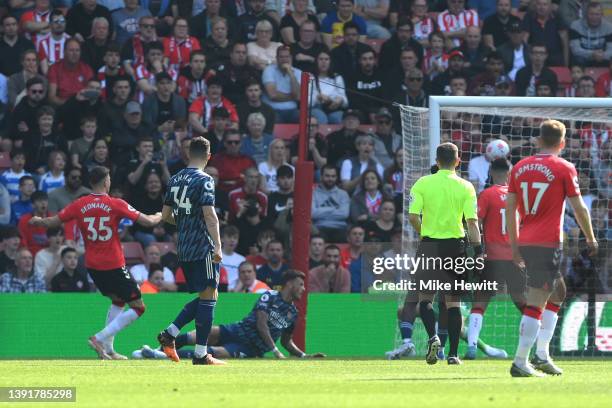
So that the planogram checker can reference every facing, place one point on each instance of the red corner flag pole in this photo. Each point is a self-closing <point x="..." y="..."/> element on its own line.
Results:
<point x="302" y="204"/>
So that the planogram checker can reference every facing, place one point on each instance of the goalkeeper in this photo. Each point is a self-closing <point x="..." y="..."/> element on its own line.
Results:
<point x="274" y="316"/>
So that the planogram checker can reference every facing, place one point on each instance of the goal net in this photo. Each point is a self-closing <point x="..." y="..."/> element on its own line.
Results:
<point x="585" y="321"/>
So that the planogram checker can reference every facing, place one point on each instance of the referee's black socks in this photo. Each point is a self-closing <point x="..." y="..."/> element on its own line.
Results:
<point x="427" y="317"/>
<point x="454" y="330"/>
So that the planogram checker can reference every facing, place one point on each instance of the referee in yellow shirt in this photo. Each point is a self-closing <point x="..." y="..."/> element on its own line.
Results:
<point x="438" y="204"/>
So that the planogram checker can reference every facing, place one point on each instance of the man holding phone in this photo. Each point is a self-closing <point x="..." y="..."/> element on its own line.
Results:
<point x="164" y="107"/>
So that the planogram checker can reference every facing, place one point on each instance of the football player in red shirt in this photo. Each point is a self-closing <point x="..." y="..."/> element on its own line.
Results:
<point x="538" y="187"/>
<point x="498" y="265"/>
<point x="98" y="216"/>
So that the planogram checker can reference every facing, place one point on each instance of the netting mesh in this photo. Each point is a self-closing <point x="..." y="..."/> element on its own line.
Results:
<point x="585" y="326"/>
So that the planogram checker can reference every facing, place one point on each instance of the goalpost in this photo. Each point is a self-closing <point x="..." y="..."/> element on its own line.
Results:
<point x="585" y="325"/>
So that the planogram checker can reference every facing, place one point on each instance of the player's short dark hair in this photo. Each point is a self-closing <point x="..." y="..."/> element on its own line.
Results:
<point x="144" y="139"/>
<point x="246" y="263"/>
<point x="155" y="267"/>
<point x="197" y="53"/>
<point x="329" y="167"/>
<point x="122" y="78"/>
<point x="552" y="132"/>
<point x="9" y="232"/>
<point x="494" y="55"/>
<point x="332" y="247"/>
<point x="45" y="110"/>
<point x="405" y="21"/>
<point x="284" y="171"/>
<point x="54" y="231"/>
<point x="275" y="241"/>
<point x="447" y="154"/>
<point x="97" y="175"/>
<point x="199" y="148"/>
<point x="352" y="227"/>
<point x="291" y="274"/>
<point x="500" y="165"/>
<point x="154" y="45"/>
<point x="349" y="24"/>
<point x="67" y="250"/>
<point x="230" y="231"/>
<point x="23" y="179"/>
<point x="39" y="196"/>
<point x="37" y="80"/>
<point x="113" y="48"/>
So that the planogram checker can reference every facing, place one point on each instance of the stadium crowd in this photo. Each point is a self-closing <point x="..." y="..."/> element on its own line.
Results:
<point x="125" y="84"/>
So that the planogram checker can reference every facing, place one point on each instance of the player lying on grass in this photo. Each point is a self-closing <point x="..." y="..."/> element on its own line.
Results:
<point x="98" y="216"/>
<point x="537" y="189"/>
<point x="407" y="315"/>
<point x="273" y="317"/>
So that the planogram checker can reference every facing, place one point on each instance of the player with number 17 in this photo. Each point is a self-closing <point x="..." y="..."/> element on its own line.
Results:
<point x="98" y="216"/>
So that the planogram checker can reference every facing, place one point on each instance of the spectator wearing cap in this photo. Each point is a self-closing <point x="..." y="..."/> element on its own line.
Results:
<point x="345" y="56"/>
<point x="23" y="204"/>
<point x="282" y="86"/>
<point x="386" y="140"/>
<point x="403" y="38"/>
<point x="10" y="245"/>
<point x="328" y="96"/>
<point x="22" y="280"/>
<point x="68" y="76"/>
<point x="411" y="92"/>
<point x="591" y="37"/>
<point x="236" y="74"/>
<point x="252" y="103"/>
<point x="456" y="60"/>
<point x="333" y="26"/>
<point x="231" y="163"/>
<point x="368" y="82"/>
<point x="514" y="52"/>
<point x="73" y="189"/>
<point x="504" y="86"/>
<point x="484" y="83"/>
<point x="454" y="21"/>
<point x="164" y="107"/>
<point x="128" y="132"/>
<point x="329" y="277"/>
<point x="69" y="279"/>
<point x="153" y="64"/>
<point x="255" y="142"/>
<point x="32" y="237"/>
<point x="80" y="18"/>
<point x="192" y="79"/>
<point x="544" y="26"/>
<point x="353" y="167"/>
<point x="200" y="111"/>
<point x="497" y="26"/>
<point x="475" y="51"/>
<point x="341" y="143"/>
<point x="528" y="76"/>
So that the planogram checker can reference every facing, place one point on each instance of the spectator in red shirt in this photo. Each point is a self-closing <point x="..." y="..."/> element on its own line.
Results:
<point x="603" y="87"/>
<point x="178" y="48"/>
<point x="200" y="110"/>
<point x="35" y="23"/>
<point x="237" y="197"/>
<point x="230" y="163"/>
<point x="192" y="79"/>
<point x="35" y="238"/>
<point x="68" y="76"/>
<point x="355" y="237"/>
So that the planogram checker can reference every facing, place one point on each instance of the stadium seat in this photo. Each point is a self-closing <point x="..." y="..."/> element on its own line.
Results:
<point x="5" y="161"/>
<point x="595" y="72"/>
<point x="564" y="76"/>
<point x="285" y="130"/>
<point x="133" y="253"/>
<point x="165" y="247"/>
<point x="375" y="44"/>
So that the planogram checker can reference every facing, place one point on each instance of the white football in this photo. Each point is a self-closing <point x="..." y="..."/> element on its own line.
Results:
<point x="497" y="149"/>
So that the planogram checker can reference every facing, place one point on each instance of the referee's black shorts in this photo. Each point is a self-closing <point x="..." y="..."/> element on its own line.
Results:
<point x="438" y="260"/>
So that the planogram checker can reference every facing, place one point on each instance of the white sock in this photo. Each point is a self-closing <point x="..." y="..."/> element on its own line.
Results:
<point x="474" y="327"/>
<point x="113" y="312"/>
<point x="529" y="328"/>
<point x="200" y="351"/>
<point x="118" y="324"/>
<point x="173" y="330"/>
<point x="549" y="322"/>
<point x="407" y="340"/>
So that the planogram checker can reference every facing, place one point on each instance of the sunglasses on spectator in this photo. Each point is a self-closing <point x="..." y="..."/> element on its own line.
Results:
<point x="234" y="142"/>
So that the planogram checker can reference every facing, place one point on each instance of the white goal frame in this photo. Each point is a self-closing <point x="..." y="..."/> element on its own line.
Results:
<point x="437" y="103"/>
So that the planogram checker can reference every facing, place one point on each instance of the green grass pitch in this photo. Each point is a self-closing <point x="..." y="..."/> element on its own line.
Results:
<point x="313" y="383"/>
